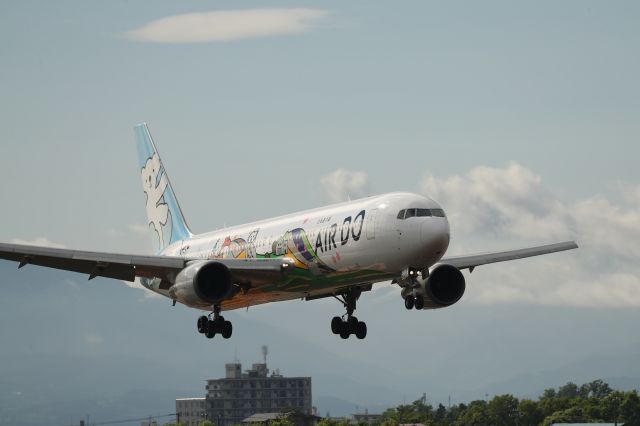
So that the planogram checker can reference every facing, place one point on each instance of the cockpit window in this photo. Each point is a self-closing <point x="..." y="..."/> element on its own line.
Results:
<point x="407" y="213"/>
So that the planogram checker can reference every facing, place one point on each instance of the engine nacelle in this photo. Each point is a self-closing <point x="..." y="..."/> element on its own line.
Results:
<point x="202" y="283"/>
<point x="443" y="287"/>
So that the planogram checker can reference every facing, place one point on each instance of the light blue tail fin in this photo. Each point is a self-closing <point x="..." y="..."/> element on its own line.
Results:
<point x="164" y="216"/>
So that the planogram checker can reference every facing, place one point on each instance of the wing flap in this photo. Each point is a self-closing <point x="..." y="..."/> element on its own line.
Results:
<point x="471" y="261"/>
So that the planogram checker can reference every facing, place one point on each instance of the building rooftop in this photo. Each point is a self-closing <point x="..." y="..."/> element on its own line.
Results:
<point x="266" y="417"/>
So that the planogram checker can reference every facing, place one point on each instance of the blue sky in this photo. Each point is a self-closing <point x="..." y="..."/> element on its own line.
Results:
<point x="520" y="118"/>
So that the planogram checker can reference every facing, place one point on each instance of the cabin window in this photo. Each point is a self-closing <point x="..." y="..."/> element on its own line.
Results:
<point x="410" y="213"/>
<point x="438" y="212"/>
<point x="423" y="212"/>
<point x="401" y="214"/>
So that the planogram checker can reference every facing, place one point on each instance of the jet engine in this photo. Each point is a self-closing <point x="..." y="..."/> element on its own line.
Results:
<point x="202" y="283"/>
<point x="443" y="287"/>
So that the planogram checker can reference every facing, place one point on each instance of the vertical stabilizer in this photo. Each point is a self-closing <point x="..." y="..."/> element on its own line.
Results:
<point x="164" y="216"/>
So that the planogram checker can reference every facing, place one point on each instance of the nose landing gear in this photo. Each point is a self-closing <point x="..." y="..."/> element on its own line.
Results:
<point x="414" y="299"/>
<point x="350" y="325"/>
<point x="218" y="325"/>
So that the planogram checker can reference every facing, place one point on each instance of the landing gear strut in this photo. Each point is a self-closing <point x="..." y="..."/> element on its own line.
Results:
<point x="350" y="325"/>
<point x="218" y="325"/>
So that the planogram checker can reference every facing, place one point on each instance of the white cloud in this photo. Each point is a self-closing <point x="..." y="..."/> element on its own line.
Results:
<point x="38" y="241"/>
<point x="342" y="184"/>
<point x="139" y="228"/>
<point x="227" y="25"/>
<point x="511" y="204"/>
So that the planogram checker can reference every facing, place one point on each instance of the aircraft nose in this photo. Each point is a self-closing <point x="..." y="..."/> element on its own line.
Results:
<point x="434" y="234"/>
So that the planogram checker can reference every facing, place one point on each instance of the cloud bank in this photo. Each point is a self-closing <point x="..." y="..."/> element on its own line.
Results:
<point x="227" y="25"/>
<point x="38" y="241"/>
<point x="488" y="205"/>
<point x="341" y="184"/>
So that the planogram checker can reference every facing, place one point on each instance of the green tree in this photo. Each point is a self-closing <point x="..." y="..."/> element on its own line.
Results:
<point x="630" y="409"/>
<point x="550" y="404"/>
<point x="281" y="422"/>
<point x="332" y="422"/>
<point x="596" y="389"/>
<point x="549" y="393"/>
<point x="440" y="414"/>
<point x="611" y="406"/>
<point x="530" y="413"/>
<point x="475" y="415"/>
<point x="454" y="413"/>
<point x="570" y="415"/>
<point x="592" y="408"/>
<point x="503" y="410"/>
<point x="416" y="412"/>
<point x="570" y="390"/>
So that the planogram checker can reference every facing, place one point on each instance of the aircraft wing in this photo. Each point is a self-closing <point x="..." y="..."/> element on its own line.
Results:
<point x="127" y="267"/>
<point x="473" y="260"/>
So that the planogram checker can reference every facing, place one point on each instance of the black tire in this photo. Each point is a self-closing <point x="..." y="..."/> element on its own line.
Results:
<point x="352" y="323"/>
<point x="211" y="330"/>
<point x="409" y="302"/>
<point x="361" y="330"/>
<point x="345" y="334"/>
<point x="419" y="303"/>
<point x="336" y="323"/>
<point x="227" y="329"/>
<point x="202" y="324"/>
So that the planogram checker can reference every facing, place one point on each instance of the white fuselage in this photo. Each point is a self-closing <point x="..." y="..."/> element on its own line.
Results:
<point x="355" y="242"/>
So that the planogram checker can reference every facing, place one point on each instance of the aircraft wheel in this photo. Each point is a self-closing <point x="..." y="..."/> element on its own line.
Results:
<point x="336" y="323"/>
<point x="361" y="330"/>
<point x="202" y="324"/>
<point x="211" y="329"/>
<point x="419" y="303"/>
<point x="345" y="333"/>
<point x="409" y="302"/>
<point x="227" y="329"/>
<point x="353" y="323"/>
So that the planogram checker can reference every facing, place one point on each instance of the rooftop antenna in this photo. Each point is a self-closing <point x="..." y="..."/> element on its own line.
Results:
<point x="265" y="351"/>
<point x="235" y="355"/>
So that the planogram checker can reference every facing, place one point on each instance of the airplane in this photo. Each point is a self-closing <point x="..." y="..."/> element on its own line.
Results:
<point x="338" y="251"/>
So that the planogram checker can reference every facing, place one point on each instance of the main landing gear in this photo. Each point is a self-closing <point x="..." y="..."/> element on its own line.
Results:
<point x="218" y="325"/>
<point x="350" y="325"/>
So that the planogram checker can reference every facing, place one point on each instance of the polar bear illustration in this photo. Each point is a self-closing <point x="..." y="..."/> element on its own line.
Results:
<point x="154" y="183"/>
